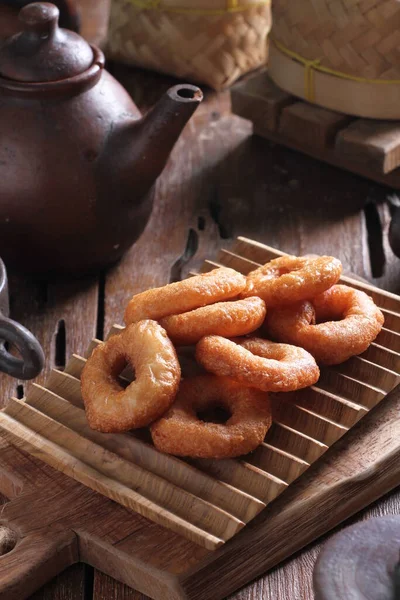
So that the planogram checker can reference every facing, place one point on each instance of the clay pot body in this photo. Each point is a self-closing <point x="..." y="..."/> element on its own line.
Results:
<point x="77" y="162"/>
<point x="60" y="206"/>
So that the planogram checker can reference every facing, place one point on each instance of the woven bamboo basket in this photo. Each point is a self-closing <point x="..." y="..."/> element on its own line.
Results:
<point x="205" y="41"/>
<point x="341" y="54"/>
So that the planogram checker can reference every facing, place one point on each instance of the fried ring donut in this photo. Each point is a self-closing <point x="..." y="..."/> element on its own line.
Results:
<point x="258" y="363"/>
<point x="350" y="323"/>
<point x="182" y="433"/>
<point x="228" y="319"/>
<point x="182" y="296"/>
<point x="110" y="407"/>
<point x="289" y="279"/>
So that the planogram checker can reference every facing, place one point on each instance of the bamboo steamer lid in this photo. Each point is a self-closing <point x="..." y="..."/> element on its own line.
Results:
<point x="340" y="54"/>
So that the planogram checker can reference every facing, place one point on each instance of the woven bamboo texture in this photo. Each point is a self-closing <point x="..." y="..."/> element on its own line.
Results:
<point x="356" y="37"/>
<point x="208" y="44"/>
<point x="207" y="501"/>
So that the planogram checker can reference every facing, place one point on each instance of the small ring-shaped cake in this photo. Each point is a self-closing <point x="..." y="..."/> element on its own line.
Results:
<point x="258" y="363"/>
<point x="289" y="279"/>
<point x="182" y="296"/>
<point x="110" y="407"/>
<point x="228" y="319"/>
<point x="181" y="432"/>
<point x="340" y="323"/>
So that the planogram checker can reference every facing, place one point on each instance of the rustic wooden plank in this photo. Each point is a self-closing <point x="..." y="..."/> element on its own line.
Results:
<point x="335" y="469"/>
<point x="286" y="438"/>
<point x="294" y="578"/>
<point x="34" y="560"/>
<point x="129" y="484"/>
<point x="144" y="455"/>
<point x="382" y="356"/>
<point x="48" y="310"/>
<point x="57" y="457"/>
<point x="65" y="385"/>
<point x="75" y="366"/>
<point x="389" y="339"/>
<point x="311" y="125"/>
<point x="69" y="585"/>
<point x="310" y="145"/>
<point x="278" y="462"/>
<point x="307" y="422"/>
<point x="289" y="440"/>
<point x="392" y="320"/>
<point x="391" y="179"/>
<point x="349" y="388"/>
<point x="302" y="420"/>
<point x="376" y="144"/>
<point x="106" y="588"/>
<point x="254" y="481"/>
<point x="368" y="372"/>
<point x="329" y="405"/>
<point x="349" y="446"/>
<point x="260" y="99"/>
<point x="126" y="446"/>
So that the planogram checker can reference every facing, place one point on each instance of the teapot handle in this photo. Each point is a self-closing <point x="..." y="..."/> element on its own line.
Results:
<point x="69" y="11"/>
<point x="32" y="358"/>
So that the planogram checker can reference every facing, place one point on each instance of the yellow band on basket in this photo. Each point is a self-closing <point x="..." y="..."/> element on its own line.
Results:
<point x="232" y="6"/>
<point x="310" y="66"/>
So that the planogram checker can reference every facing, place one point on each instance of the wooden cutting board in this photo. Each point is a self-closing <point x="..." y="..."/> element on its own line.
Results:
<point x="59" y="521"/>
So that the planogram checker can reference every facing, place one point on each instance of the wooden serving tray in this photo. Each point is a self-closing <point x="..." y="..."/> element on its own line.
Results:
<point x="203" y="504"/>
<point x="367" y="147"/>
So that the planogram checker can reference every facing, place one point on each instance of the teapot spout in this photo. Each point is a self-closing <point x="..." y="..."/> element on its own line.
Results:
<point x="146" y="144"/>
<point x="161" y="127"/>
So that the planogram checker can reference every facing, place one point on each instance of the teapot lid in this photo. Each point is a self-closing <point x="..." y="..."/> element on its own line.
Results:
<point x="42" y="51"/>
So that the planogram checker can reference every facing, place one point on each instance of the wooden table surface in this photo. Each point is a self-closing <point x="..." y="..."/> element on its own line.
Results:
<point x="220" y="182"/>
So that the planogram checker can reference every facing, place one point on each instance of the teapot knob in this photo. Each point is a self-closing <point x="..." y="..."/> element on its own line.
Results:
<point x="42" y="51"/>
<point x="40" y="18"/>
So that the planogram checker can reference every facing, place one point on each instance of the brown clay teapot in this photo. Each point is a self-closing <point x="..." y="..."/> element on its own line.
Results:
<point x="77" y="162"/>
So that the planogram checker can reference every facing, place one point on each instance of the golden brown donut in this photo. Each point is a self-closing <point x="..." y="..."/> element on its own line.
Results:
<point x="182" y="433"/>
<point x="289" y="279"/>
<point x="182" y="296"/>
<point x="229" y="319"/>
<point x="110" y="407"/>
<point x="258" y="363"/>
<point x="340" y="323"/>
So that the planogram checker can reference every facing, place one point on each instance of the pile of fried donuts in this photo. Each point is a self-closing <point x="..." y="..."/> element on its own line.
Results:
<point x="250" y="335"/>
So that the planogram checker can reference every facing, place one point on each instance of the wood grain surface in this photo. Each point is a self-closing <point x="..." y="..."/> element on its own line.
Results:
<point x="186" y="498"/>
<point x="59" y="521"/>
<point x="367" y="147"/>
<point x="219" y="183"/>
